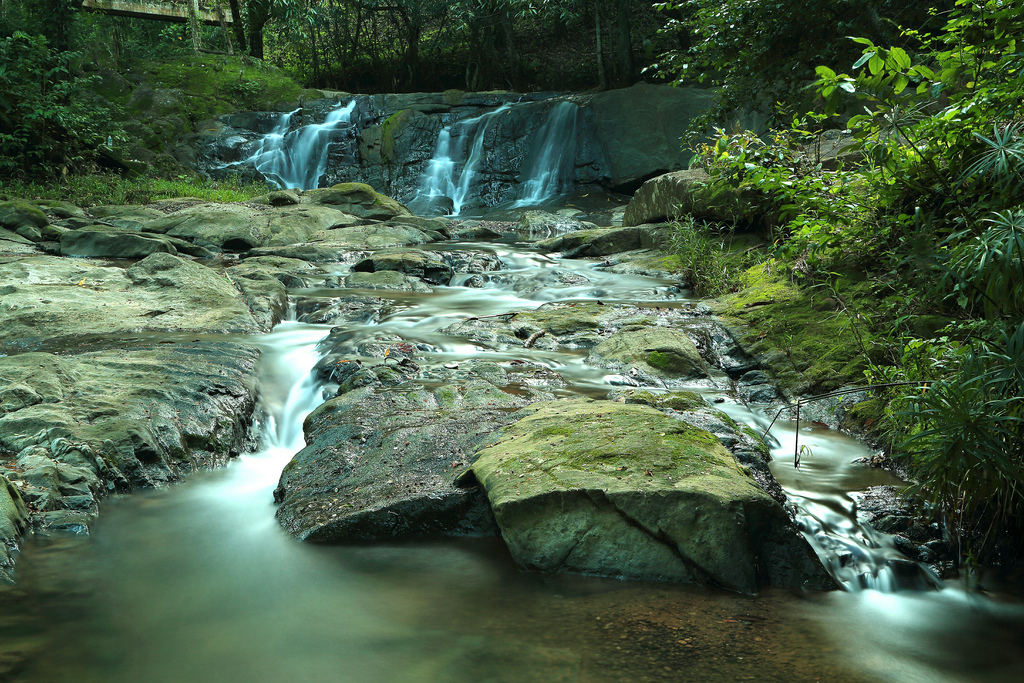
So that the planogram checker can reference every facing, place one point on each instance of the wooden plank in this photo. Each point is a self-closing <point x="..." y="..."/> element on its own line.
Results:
<point x="158" y="11"/>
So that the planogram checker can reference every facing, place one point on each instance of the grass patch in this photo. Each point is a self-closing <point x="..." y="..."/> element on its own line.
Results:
<point x="100" y="189"/>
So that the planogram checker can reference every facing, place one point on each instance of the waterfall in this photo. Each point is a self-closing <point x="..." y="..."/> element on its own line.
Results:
<point x="551" y="162"/>
<point x="451" y="172"/>
<point x="298" y="158"/>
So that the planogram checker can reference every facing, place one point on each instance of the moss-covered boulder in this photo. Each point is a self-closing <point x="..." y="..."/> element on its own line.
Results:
<point x="17" y="215"/>
<point x="358" y="199"/>
<point x="692" y="192"/>
<point x="385" y="279"/>
<point x="624" y="490"/>
<point x="415" y="262"/>
<point x="382" y="458"/>
<point x="658" y="351"/>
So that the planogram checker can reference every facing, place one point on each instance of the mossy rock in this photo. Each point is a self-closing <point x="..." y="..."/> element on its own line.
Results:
<point x="805" y="343"/>
<point x="18" y="214"/>
<point x="357" y="199"/>
<point x="658" y="351"/>
<point x="624" y="490"/>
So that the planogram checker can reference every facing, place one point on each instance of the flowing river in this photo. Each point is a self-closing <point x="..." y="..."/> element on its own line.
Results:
<point x="197" y="582"/>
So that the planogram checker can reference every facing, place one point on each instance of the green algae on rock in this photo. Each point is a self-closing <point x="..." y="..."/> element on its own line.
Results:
<point x="624" y="490"/>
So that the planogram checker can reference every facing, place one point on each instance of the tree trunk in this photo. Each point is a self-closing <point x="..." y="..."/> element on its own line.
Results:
<point x="602" y="78"/>
<point x="624" y="67"/>
<point x="258" y="16"/>
<point x="193" y="25"/>
<point x="237" y="25"/>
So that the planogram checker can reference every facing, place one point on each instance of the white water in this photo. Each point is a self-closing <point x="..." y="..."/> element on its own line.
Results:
<point x="199" y="583"/>
<point x="550" y="167"/>
<point x="297" y="159"/>
<point x="452" y="171"/>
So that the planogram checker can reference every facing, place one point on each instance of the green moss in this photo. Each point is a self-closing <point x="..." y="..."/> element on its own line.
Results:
<point x="453" y="97"/>
<point x="391" y="128"/>
<point x="808" y="339"/>
<point x="219" y="84"/>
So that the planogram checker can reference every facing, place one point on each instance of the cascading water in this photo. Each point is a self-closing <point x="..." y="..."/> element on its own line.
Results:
<point x="453" y="169"/>
<point x="297" y="158"/>
<point x="198" y="582"/>
<point x="551" y="161"/>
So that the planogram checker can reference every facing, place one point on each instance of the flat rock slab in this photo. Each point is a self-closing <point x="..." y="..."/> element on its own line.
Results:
<point x="624" y="490"/>
<point x="48" y="299"/>
<point x="239" y="228"/>
<point x="381" y="460"/>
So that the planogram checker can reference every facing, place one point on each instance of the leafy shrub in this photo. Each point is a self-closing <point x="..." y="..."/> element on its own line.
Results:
<point x="48" y="123"/>
<point x="705" y="261"/>
<point x="965" y="443"/>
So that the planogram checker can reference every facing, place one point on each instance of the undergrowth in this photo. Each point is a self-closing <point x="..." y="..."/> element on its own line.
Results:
<point x="100" y="189"/>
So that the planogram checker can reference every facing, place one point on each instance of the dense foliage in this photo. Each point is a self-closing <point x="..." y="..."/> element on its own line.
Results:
<point x="929" y="206"/>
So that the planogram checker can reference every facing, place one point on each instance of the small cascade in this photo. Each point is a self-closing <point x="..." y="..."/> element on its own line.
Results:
<point x="450" y="174"/>
<point x="856" y="555"/>
<point x="298" y="158"/>
<point x="551" y="163"/>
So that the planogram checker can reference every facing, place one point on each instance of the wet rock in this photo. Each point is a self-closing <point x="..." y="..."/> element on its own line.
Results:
<point x="421" y="264"/>
<point x="543" y="224"/>
<point x="604" y="241"/>
<point x="623" y="490"/>
<point x="552" y="279"/>
<point x="122" y="418"/>
<point x="338" y="244"/>
<point x="654" y="351"/>
<point x="357" y="199"/>
<point x="381" y="461"/>
<point x="385" y="279"/>
<point x="344" y="309"/>
<point x="13" y="521"/>
<point x="48" y="299"/>
<point x="131" y="212"/>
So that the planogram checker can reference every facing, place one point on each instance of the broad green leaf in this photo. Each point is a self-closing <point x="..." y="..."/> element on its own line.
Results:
<point x="875" y="64"/>
<point x="900" y="84"/>
<point x="901" y="57"/>
<point x="863" y="59"/>
<point x="825" y="72"/>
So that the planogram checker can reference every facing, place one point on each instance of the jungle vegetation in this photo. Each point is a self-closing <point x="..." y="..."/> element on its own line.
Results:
<point x="917" y="235"/>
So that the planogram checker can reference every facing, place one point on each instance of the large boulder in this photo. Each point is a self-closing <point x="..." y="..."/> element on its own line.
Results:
<point x="48" y="299"/>
<point x="381" y="458"/>
<point x="112" y="420"/>
<point x="113" y="243"/>
<point x="655" y="351"/>
<point x="421" y="264"/>
<point x="692" y="192"/>
<point x="640" y="130"/>
<point x="358" y="199"/>
<point x="624" y="490"/>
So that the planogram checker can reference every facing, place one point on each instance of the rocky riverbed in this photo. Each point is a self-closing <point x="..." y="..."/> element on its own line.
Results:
<point x="128" y="364"/>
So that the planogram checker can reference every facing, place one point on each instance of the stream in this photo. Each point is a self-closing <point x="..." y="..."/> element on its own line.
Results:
<point x="198" y="582"/>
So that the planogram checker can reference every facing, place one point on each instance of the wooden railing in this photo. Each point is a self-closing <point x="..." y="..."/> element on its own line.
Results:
<point x="213" y="13"/>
